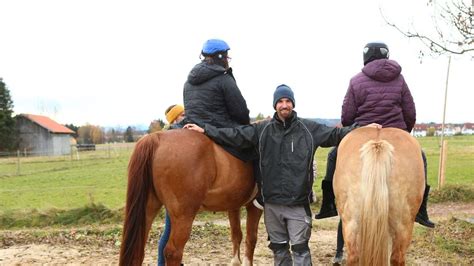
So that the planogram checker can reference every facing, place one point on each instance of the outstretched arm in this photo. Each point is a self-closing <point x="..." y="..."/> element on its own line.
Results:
<point x="331" y="136"/>
<point x="240" y="137"/>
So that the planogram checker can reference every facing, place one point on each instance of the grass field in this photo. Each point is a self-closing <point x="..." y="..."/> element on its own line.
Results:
<point x="68" y="183"/>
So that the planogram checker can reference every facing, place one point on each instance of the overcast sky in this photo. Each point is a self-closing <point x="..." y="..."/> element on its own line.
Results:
<point x="112" y="63"/>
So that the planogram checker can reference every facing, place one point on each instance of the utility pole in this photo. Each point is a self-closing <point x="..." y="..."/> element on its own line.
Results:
<point x="442" y="153"/>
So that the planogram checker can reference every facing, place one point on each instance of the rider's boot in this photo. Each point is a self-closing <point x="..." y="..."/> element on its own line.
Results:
<point x="422" y="215"/>
<point x="328" y="207"/>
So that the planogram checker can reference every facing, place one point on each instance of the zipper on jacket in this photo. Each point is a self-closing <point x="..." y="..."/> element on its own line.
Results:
<point x="291" y="143"/>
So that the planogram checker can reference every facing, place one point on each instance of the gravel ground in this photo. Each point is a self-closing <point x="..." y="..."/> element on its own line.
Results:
<point x="24" y="247"/>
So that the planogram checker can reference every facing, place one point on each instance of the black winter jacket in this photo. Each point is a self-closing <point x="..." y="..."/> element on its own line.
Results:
<point x="211" y="96"/>
<point x="286" y="151"/>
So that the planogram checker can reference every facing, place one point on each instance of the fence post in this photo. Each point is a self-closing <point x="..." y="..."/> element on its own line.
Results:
<point x="108" y="149"/>
<point x="442" y="163"/>
<point x="18" y="162"/>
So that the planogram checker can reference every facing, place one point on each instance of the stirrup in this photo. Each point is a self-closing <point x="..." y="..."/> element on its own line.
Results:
<point x="257" y="204"/>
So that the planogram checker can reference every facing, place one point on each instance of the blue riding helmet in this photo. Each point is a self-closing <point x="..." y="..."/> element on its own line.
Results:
<point x="213" y="46"/>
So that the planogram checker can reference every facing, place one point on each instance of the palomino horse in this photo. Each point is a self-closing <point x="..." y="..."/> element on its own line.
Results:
<point x="378" y="183"/>
<point x="186" y="172"/>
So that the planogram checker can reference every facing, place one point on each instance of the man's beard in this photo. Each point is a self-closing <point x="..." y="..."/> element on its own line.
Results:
<point x="284" y="113"/>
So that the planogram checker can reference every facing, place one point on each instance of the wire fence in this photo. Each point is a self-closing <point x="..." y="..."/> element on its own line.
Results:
<point x="25" y="162"/>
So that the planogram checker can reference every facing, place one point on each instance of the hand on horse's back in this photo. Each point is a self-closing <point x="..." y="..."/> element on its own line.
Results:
<point x="374" y="125"/>
<point x="194" y="127"/>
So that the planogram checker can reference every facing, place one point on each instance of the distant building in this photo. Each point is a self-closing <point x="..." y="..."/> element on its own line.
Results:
<point x="468" y="129"/>
<point x="40" y="135"/>
<point x="420" y="130"/>
<point x="449" y="129"/>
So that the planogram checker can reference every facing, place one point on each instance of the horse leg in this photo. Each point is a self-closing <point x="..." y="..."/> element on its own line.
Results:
<point x="236" y="235"/>
<point x="350" y="239"/>
<point x="253" y="219"/>
<point x="401" y="241"/>
<point x="153" y="205"/>
<point x="180" y="231"/>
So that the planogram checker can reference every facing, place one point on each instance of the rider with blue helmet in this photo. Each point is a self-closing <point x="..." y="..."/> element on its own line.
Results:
<point x="211" y="95"/>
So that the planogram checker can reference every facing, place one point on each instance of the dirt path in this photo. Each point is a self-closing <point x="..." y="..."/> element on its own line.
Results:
<point x="16" y="249"/>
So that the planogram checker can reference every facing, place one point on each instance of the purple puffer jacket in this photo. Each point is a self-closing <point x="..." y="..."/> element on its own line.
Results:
<point x="379" y="94"/>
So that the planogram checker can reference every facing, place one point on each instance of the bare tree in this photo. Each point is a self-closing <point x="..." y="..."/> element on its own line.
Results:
<point x="453" y="25"/>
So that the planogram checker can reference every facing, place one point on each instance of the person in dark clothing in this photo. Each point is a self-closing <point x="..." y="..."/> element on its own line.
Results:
<point x="286" y="145"/>
<point x="378" y="94"/>
<point x="211" y="95"/>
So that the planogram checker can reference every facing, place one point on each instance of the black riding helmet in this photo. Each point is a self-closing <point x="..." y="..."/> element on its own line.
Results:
<point x="374" y="51"/>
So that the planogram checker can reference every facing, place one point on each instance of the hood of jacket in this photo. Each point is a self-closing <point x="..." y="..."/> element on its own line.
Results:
<point x="203" y="72"/>
<point x="382" y="70"/>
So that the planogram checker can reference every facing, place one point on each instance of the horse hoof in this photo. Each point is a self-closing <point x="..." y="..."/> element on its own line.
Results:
<point x="235" y="261"/>
<point x="338" y="258"/>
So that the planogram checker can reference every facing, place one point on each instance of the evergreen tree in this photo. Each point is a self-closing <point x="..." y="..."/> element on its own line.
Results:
<point x="8" y="138"/>
<point x="128" y="135"/>
<point x="73" y="128"/>
<point x="259" y="117"/>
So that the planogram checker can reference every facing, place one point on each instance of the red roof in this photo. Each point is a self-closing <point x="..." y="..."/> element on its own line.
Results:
<point x="469" y="125"/>
<point x="420" y="127"/>
<point x="48" y="123"/>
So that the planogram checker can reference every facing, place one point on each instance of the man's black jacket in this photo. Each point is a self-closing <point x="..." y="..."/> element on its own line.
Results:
<point x="286" y="151"/>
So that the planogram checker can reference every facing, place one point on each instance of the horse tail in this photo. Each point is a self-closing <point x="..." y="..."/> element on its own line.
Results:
<point x="374" y="229"/>
<point x="140" y="183"/>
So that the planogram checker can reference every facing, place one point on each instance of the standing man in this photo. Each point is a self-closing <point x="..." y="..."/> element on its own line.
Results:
<point x="378" y="94"/>
<point x="286" y="146"/>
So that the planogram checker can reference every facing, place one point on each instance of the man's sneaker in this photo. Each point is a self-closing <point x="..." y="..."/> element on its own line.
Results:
<point x="258" y="202"/>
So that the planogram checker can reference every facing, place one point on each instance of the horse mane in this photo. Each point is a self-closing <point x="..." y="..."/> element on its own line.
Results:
<point x="139" y="185"/>
<point x="376" y="156"/>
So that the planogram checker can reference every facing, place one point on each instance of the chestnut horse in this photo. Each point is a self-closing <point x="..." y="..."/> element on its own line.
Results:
<point x="185" y="172"/>
<point x="378" y="183"/>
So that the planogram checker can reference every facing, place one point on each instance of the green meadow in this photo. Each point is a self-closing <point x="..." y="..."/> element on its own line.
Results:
<point x="70" y="182"/>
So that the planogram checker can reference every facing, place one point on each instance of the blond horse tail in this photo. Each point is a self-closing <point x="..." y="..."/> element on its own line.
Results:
<point x="374" y="229"/>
